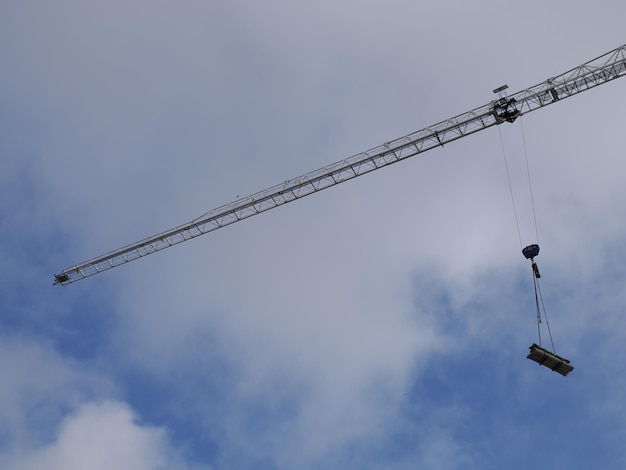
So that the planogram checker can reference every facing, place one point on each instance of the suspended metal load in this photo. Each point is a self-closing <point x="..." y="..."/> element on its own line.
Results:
<point x="550" y="360"/>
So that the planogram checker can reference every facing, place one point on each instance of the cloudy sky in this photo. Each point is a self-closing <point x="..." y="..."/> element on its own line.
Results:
<point x="383" y="323"/>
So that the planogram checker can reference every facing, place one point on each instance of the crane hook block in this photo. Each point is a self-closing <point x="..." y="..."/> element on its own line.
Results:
<point x="530" y="251"/>
<point x="543" y="357"/>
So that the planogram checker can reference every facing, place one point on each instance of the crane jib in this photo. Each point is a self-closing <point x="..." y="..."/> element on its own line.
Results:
<point x="596" y="72"/>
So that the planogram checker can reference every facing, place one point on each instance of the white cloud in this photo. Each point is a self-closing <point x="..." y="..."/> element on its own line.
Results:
<point x="38" y="387"/>
<point x="59" y="413"/>
<point x="101" y="436"/>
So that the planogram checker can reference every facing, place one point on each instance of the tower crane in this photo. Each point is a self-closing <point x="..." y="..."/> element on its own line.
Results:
<point x="507" y="108"/>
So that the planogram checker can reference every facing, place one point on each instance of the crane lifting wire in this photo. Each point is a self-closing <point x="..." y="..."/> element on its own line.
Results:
<point x="538" y="353"/>
<point x="598" y="71"/>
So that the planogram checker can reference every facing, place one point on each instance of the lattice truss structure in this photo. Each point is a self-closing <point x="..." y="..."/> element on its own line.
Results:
<point x="596" y="72"/>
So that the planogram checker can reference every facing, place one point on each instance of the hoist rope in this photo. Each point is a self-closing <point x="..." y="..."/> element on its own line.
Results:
<point x="508" y="177"/>
<point x="539" y="304"/>
<point x="530" y="186"/>
<point x="538" y="311"/>
<point x="538" y="299"/>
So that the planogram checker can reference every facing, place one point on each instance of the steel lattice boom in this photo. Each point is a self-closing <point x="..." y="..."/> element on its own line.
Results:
<point x="596" y="72"/>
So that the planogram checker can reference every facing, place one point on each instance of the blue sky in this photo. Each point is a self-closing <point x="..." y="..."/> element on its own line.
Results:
<point x="383" y="323"/>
